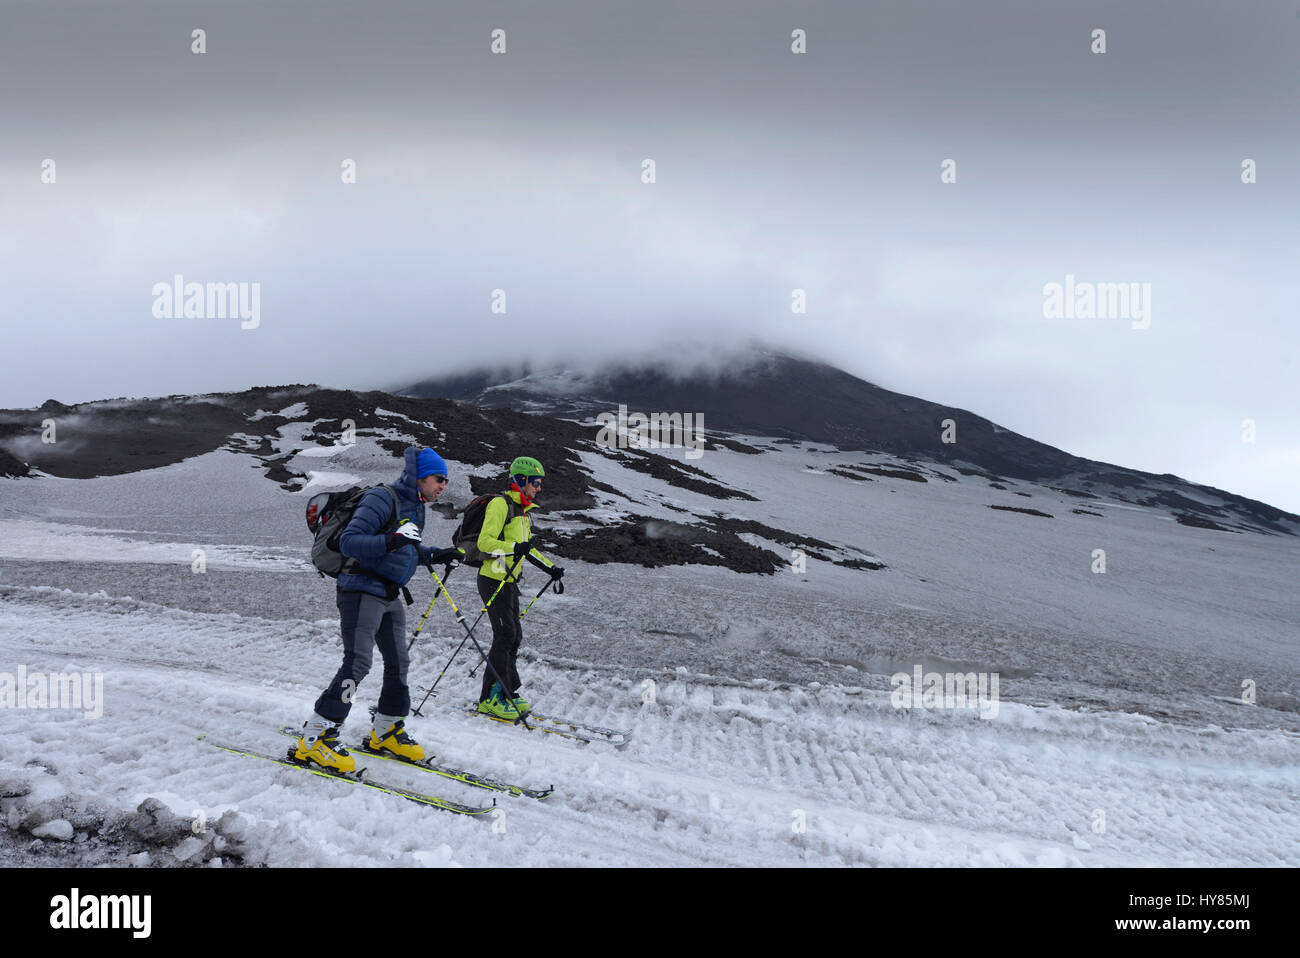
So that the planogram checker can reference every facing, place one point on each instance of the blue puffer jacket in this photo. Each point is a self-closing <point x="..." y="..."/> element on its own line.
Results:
<point x="365" y="541"/>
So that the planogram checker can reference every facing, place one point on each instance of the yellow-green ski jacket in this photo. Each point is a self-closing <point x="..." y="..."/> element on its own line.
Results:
<point x="499" y="536"/>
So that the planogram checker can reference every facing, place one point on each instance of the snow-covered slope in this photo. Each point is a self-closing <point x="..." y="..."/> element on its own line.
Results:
<point x="1120" y="736"/>
<point x="718" y="773"/>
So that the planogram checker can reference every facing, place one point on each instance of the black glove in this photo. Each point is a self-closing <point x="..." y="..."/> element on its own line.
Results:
<point x="556" y="571"/>
<point x="406" y="534"/>
<point x="522" y="548"/>
<point x="444" y="556"/>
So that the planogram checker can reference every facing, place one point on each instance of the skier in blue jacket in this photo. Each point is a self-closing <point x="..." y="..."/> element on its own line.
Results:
<point x="372" y="614"/>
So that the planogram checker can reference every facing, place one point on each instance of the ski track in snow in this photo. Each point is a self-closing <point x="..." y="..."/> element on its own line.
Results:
<point x="716" y="773"/>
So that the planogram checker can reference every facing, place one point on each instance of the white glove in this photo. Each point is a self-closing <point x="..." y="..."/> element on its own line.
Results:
<point x="407" y="533"/>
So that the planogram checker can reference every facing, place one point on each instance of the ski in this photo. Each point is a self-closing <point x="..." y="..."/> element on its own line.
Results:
<point x="616" y="736"/>
<point x="573" y="731"/>
<point x="455" y="774"/>
<point x="565" y="728"/>
<point x="356" y="779"/>
<point x="563" y="733"/>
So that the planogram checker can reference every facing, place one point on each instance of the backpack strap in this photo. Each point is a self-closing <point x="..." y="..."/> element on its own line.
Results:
<point x="392" y="521"/>
<point x="353" y="567"/>
<point x="513" y="511"/>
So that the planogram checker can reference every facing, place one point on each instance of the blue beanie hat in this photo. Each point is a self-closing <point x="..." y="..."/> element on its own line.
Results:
<point x="429" y="463"/>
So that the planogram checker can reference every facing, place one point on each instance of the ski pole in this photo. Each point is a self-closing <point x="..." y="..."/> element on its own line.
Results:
<point x="521" y="615"/>
<point x="536" y="597"/>
<point x="434" y="687"/>
<point x="559" y="590"/>
<point x="558" y="584"/>
<point x="469" y="632"/>
<point x="509" y="578"/>
<point x="446" y="573"/>
<point x="469" y="636"/>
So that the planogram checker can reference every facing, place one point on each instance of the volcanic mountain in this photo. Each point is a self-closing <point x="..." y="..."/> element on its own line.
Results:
<point x="791" y="399"/>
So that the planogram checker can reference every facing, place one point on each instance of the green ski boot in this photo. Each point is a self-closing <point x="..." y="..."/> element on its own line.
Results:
<point x="498" y="706"/>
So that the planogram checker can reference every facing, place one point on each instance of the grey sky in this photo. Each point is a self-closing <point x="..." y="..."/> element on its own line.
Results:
<point x="775" y="171"/>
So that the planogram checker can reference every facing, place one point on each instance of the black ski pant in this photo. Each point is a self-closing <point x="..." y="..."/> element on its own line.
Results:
<point x="367" y="621"/>
<point x="507" y="633"/>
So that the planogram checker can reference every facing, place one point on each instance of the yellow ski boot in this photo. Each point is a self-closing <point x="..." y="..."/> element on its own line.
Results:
<point x="324" y="749"/>
<point x="396" y="741"/>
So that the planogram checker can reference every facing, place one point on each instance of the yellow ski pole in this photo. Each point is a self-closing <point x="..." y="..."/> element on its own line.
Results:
<point x="446" y="572"/>
<point x="559" y="585"/>
<point x="536" y="597"/>
<point x="469" y="635"/>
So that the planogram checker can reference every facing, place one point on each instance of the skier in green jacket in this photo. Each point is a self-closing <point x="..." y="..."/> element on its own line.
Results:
<point x="507" y="535"/>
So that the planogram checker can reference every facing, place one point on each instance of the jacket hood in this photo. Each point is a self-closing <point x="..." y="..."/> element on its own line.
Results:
<point x="406" y="483"/>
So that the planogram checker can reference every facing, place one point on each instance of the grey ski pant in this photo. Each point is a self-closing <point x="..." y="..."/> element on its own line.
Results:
<point x="367" y="621"/>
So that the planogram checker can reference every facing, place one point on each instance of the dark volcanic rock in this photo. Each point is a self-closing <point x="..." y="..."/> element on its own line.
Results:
<point x="735" y="445"/>
<point x="655" y="542"/>
<point x="1200" y="523"/>
<point x="737" y="526"/>
<point x="1028" y="512"/>
<point x="893" y="473"/>
<point x="111" y="438"/>
<point x="676" y="474"/>
<point x="119" y="436"/>
<point x="977" y="472"/>
<point x="861" y="564"/>
<point x="1074" y="492"/>
<point x="12" y="467"/>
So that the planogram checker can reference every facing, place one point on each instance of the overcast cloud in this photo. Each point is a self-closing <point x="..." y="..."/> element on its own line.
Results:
<point x="775" y="171"/>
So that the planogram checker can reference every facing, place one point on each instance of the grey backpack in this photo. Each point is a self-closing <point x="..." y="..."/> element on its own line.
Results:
<point x="328" y="514"/>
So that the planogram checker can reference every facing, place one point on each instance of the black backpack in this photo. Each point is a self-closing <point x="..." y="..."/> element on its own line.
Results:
<point x="466" y="535"/>
<point x="328" y="514"/>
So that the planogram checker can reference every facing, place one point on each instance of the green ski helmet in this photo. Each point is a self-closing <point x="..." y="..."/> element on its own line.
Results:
<point x="526" y="466"/>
